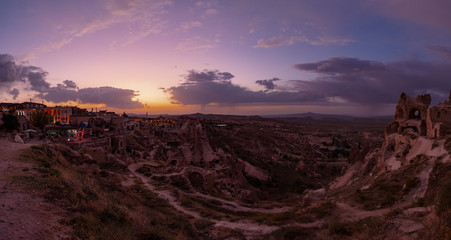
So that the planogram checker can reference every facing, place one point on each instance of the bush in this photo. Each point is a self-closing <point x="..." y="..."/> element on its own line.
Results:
<point x="202" y="224"/>
<point x="339" y="228"/>
<point x="10" y="122"/>
<point x="40" y="118"/>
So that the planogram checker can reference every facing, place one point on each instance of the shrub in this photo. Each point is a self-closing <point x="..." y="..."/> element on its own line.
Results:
<point x="10" y="122"/>
<point x="40" y="118"/>
<point x="202" y="224"/>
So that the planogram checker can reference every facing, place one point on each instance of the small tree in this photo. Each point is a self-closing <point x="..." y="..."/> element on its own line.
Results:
<point x="40" y="118"/>
<point x="124" y="115"/>
<point x="10" y="122"/>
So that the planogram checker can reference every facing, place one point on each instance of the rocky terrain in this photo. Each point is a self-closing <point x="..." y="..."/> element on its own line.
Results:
<point x="231" y="177"/>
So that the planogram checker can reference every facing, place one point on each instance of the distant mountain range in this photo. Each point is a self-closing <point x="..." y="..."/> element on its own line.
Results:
<point x="320" y="116"/>
<point x="293" y="115"/>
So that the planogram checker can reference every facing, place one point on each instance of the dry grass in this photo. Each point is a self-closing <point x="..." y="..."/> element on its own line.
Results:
<point x="316" y="212"/>
<point x="366" y="228"/>
<point x="98" y="206"/>
<point x="290" y="233"/>
<point x="448" y="144"/>
<point x="389" y="188"/>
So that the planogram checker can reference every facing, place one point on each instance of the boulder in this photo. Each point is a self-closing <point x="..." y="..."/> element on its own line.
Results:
<point x="313" y="196"/>
<point x="18" y="139"/>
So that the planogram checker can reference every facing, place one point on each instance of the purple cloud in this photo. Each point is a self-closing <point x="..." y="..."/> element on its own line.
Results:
<point x="14" y="93"/>
<point x="11" y="73"/>
<point x="194" y="76"/>
<point x="267" y="83"/>
<point x="340" y="81"/>
<point x="430" y="13"/>
<point x="445" y="51"/>
<point x="287" y="41"/>
<point x="372" y="82"/>
<point x="110" y="96"/>
<point x="212" y="86"/>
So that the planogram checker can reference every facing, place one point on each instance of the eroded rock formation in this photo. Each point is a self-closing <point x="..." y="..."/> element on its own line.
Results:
<point x="413" y="114"/>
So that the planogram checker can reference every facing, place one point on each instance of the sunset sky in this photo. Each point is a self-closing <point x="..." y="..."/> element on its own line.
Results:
<point x="230" y="57"/>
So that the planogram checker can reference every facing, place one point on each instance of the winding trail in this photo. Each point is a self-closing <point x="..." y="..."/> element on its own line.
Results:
<point x="345" y="211"/>
<point x="352" y="214"/>
<point x="234" y="206"/>
<point x="165" y="194"/>
<point x="245" y="225"/>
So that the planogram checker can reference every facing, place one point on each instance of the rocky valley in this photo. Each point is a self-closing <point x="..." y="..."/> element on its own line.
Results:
<point x="235" y="177"/>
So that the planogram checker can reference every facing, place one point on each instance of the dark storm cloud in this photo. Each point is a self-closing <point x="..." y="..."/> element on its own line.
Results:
<point x="372" y="82"/>
<point x="114" y="97"/>
<point x="226" y="93"/>
<point x="342" y="66"/>
<point x="68" y="84"/>
<point x="14" y="93"/>
<point x="8" y="70"/>
<point x="267" y="83"/>
<point x="12" y="73"/>
<point x="37" y="79"/>
<point x="207" y="76"/>
<point x="110" y="96"/>
<point x="445" y="51"/>
<point x="339" y="81"/>
<point x="61" y="93"/>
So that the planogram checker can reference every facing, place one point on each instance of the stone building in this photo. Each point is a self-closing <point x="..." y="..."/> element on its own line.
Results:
<point x="59" y="114"/>
<point x="415" y="114"/>
<point x="439" y="119"/>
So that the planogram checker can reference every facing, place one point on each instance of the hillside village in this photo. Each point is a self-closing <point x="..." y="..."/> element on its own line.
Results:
<point x="81" y="128"/>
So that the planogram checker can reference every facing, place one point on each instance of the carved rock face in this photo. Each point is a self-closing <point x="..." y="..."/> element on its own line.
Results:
<point x="412" y="108"/>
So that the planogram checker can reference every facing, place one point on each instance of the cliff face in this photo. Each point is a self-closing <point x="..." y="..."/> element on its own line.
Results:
<point x="414" y="114"/>
<point x="407" y="177"/>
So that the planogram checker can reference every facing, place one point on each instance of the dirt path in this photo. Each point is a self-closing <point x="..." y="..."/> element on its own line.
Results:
<point x="234" y="206"/>
<point x="247" y="226"/>
<point x="24" y="215"/>
<point x="165" y="194"/>
<point x="348" y="213"/>
<point x="226" y="204"/>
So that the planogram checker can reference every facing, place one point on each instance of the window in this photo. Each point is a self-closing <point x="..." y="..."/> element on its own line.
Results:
<point x="417" y="114"/>
<point x="438" y="114"/>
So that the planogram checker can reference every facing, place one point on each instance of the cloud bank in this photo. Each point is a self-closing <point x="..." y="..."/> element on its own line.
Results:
<point x="442" y="50"/>
<point x="287" y="41"/>
<point x="373" y="82"/>
<point x="215" y="87"/>
<point x="34" y="78"/>
<point x="12" y="74"/>
<point x="339" y="81"/>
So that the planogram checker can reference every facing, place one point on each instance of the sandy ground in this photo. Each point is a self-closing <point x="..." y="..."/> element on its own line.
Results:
<point x="24" y="215"/>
